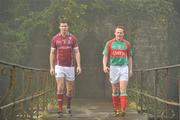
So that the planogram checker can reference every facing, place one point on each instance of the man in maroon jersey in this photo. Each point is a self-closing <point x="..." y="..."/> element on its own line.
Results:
<point x="64" y="47"/>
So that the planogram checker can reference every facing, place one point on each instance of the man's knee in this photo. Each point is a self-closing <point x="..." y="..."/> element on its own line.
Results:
<point x="115" y="93"/>
<point x="60" y="90"/>
<point x="123" y="92"/>
<point x="69" y="92"/>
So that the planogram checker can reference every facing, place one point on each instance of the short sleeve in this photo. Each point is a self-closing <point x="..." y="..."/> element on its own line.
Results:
<point x="131" y="52"/>
<point x="105" y="51"/>
<point x="53" y="43"/>
<point x="75" y="43"/>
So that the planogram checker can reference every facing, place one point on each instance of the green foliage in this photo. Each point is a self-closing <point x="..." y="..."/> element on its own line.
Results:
<point x="85" y="16"/>
<point x="25" y="22"/>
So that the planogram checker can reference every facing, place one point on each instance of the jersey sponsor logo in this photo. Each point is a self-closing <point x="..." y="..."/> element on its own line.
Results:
<point x="118" y="53"/>
<point x="64" y="42"/>
<point x="65" y="47"/>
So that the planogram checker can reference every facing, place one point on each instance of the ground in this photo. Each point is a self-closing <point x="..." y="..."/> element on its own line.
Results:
<point x="84" y="109"/>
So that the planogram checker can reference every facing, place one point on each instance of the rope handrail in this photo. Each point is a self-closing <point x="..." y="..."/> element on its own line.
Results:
<point x="22" y="100"/>
<point x="21" y="66"/>
<point x="156" y="98"/>
<point x="158" y="68"/>
<point x="24" y="86"/>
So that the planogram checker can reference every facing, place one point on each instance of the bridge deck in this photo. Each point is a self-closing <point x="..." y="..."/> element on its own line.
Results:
<point x="93" y="110"/>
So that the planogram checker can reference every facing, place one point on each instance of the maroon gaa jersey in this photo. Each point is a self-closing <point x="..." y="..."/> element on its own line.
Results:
<point x="65" y="49"/>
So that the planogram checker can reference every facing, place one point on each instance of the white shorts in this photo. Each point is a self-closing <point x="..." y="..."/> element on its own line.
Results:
<point x="118" y="73"/>
<point x="67" y="72"/>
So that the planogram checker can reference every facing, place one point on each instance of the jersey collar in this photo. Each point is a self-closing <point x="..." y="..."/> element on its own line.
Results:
<point x="64" y="36"/>
<point x="119" y="39"/>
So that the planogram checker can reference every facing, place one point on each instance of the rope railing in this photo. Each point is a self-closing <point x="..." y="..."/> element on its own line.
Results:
<point x="21" y="66"/>
<point x="23" y="100"/>
<point x="25" y="91"/>
<point x="157" y="91"/>
<point x="158" y="68"/>
<point x="155" y="98"/>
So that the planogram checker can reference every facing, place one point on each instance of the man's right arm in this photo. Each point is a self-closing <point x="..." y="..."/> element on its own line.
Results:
<point x="105" y="67"/>
<point x="52" y="61"/>
<point x="105" y="58"/>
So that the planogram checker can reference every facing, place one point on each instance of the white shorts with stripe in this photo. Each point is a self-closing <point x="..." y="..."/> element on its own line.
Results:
<point x="67" y="72"/>
<point x="118" y="73"/>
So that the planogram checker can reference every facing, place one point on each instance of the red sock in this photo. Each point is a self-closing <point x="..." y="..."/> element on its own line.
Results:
<point x="69" y="99"/>
<point x="115" y="100"/>
<point x="123" y="100"/>
<point x="60" y="102"/>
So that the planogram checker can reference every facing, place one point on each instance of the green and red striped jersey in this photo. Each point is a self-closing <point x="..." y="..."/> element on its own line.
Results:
<point x="118" y="52"/>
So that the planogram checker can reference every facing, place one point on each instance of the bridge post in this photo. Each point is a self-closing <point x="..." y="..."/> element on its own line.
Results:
<point x="179" y="97"/>
<point x="13" y="87"/>
<point x="155" y="94"/>
<point x="141" y="90"/>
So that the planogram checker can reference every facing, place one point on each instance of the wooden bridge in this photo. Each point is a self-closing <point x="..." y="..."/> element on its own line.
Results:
<point x="29" y="94"/>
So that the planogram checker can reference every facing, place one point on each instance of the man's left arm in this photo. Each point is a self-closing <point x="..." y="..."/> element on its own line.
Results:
<point x="130" y="61"/>
<point x="130" y="66"/>
<point x="78" y="59"/>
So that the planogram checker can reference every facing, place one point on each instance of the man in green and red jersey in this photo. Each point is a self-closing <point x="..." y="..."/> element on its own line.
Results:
<point x="64" y="47"/>
<point x="118" y="53"/>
